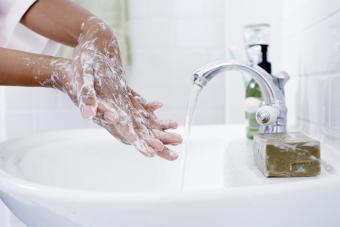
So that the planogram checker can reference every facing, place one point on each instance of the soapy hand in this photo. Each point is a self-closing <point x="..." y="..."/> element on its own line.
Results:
<point x="94" y="80"/>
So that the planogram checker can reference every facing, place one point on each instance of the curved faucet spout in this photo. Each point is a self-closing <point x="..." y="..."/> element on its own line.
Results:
<point x="272" y="95"/>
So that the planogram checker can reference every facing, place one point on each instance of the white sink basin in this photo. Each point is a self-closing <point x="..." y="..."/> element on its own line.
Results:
<point x="85" y="178"/>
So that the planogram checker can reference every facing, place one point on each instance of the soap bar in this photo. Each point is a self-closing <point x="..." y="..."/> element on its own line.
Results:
<point x="287" y="155"/>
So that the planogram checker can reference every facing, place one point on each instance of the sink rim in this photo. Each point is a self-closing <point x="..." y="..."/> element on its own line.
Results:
<point x="17" y="185"/>
<point x="23" y="187"/>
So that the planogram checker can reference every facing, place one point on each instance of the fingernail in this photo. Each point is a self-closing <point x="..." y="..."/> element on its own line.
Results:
<point x="156" y="144"/>
<point x="157" y="104"/>
<point x="174" y="138"/>
<point x="90" y="100"/>
<point x="147" y="153"/>
<point x="178" y="142"/>
<point x="173" y="124"/>
<point x="110" y="117"/>
<point x="88" y="112"/>
<point x="143" y="148"/>
<point x="173" y="155"/>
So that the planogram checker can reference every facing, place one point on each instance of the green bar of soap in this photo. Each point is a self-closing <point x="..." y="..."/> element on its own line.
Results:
<point x="287" y="155"/>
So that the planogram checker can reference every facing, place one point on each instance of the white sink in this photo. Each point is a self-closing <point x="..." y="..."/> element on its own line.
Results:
<point x="85" y="178"/>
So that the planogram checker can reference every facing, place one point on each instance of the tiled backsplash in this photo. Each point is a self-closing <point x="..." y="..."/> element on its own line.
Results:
<point x="2" y="115"/>
<point x="311" y="55"/>
<point x="31" y="110"/>
<point x="170" y="39"/>
<point x="239" y="13"/>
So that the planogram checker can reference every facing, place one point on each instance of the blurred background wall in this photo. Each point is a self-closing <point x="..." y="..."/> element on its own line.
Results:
<point x="168" y="39"/>
<point x="237" y="15"/>
<point x="311" y="54"/>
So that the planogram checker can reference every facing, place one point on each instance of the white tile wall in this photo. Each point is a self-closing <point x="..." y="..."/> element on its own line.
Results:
<point x="311" y="55"/>
<point x="32" y="110"/>
<point x="170" y="39"/>
<point x="2" y="115"/>
<point x="238" y="14"/>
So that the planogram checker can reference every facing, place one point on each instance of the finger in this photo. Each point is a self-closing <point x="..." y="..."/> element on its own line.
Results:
<point x="87" y="93"/>
<point x="145" y="134"/>
<point x="156" y="144"/>
<point x="144" y="148"/>
<point x="133" y="93"/>
<point x="153" y="106"/>
<point x="123" y="133"/>
<point x="167" y="154"/>
<point x="107" y="114"/>
<point x="168" y="124"/>
<point x="109" y="118"/>
<point x="137" y="96"/>
<point x="87" y="111"/>
<point x="87" y="100"/>
<point x="104" y="119"/>
<point x="168" y="138"/>
<point x="138" y="107"/>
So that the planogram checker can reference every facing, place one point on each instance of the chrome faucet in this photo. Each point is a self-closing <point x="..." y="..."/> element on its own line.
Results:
<point x="272" y="115"/>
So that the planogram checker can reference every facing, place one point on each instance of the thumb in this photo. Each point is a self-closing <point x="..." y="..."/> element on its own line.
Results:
<point x="87" y="99"/>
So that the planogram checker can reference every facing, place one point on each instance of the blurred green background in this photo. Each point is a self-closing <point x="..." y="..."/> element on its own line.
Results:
<point x="114" y="13"/>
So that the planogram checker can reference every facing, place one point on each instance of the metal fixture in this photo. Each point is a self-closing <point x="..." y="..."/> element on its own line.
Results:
<point x="272" y="115"/>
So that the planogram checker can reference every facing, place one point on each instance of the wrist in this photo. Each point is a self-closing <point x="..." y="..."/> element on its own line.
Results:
<point x="96" y="36"/>
<point x="51" y="72"/>
<point x="93" y="27"/>
<point x="60" y="74"/>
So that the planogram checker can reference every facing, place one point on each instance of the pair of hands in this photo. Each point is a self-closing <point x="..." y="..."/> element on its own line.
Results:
<point x="94" y="80"/>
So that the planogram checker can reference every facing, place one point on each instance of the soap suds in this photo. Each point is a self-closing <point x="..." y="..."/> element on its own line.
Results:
<point x="95" y="79"/>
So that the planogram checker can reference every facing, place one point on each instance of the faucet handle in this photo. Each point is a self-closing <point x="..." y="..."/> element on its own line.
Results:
<point x="267" y="115"/>
<point x="280" y="79"/>
<point x="252" y="104"/>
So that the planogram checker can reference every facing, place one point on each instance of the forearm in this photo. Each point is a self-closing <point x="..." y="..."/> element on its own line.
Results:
<point x="19" y="68"/>
<point x="67" y="23"/>
<point x="59" y="20"/>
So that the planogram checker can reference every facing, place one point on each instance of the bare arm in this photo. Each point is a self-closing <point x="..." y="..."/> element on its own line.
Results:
<point x="18" y="68"/>
<point x="50" y="18"/>
<point x="59" y="20"/>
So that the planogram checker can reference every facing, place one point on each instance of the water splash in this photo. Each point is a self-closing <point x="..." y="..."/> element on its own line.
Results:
<point x="188" y="122"/>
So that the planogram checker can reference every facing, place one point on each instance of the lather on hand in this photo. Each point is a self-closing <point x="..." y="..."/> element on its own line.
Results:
<point x="94" y="78"/>
<point x="95" y="82"/>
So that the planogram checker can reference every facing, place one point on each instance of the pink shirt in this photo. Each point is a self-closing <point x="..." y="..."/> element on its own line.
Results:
<point x="16" y="36"/>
